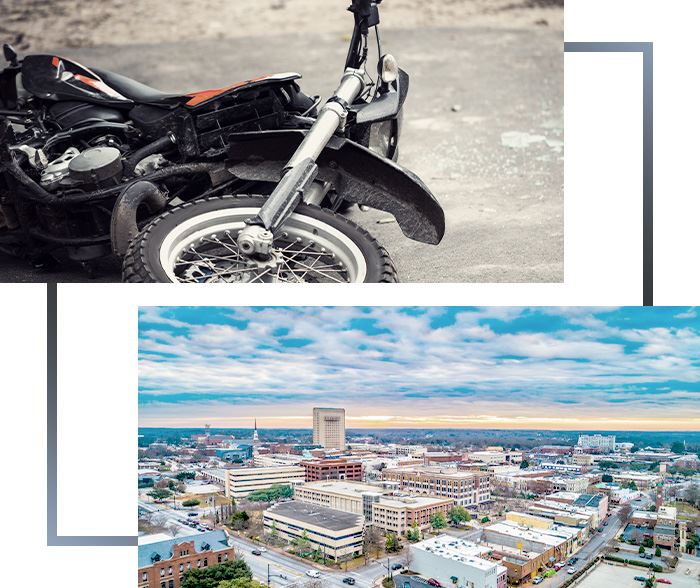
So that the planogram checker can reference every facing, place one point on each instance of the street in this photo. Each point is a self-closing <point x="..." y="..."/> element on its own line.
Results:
<point x="284" y="570"/>
<point x="596" y="544"/>
<point x="483" y="127"/>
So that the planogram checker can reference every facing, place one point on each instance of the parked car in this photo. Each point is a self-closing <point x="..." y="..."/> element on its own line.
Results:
<point x="663" y="581"/>
<point x="256" y="552"/>
<point x="396" y="566"/>
<point x="263" y="549"/>
<point x="434" y="582"/>
<point x="192" y="514"/>
<point x="313" y="573"/>
<point x="572" y="561"/>
<point x="349" y="580"/>
<point x="640" y="578"/>
<point x="571" y="571"/>
<point x="538" y="580"/>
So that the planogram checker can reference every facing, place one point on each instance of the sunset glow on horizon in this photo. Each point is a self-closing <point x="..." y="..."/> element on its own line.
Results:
<point x="630" y="368"/>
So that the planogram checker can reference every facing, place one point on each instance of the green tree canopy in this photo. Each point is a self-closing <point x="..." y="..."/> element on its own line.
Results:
<point x="240" y="583"/>
<point x="213" y="576"/>
<point x="190" y="502"/>
<point x="271" y="494"/>
<point x="393" y="543"/>
<point x="160" y="494"/>
<point x="678" y="447"/>
<point x="240" y="520"/>
<point x="185" y="476"/>
<point x="459" y="514"/>
<point x="413" y="534"/>
<point x="438" y="521"/>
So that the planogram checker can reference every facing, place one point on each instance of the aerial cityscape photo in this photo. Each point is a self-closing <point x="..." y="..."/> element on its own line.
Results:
<point x="406" y="447"/>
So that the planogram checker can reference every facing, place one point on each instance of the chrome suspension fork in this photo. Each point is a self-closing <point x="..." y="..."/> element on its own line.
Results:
<point x="301" y="170"/>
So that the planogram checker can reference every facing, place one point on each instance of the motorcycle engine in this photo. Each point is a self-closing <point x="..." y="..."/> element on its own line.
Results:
<point x="92" y="168"/>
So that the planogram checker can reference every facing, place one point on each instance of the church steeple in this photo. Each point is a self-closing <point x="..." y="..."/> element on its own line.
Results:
<point x="255" y="431"/>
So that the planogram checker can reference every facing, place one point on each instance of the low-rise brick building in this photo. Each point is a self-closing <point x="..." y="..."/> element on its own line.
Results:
<point x="332" y="469"/>
<point x="163" y="564"/>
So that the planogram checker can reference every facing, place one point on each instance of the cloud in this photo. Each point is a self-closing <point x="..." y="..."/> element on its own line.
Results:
<point x="522" y="362"/>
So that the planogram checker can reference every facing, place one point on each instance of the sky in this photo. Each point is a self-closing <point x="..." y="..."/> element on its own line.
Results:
<point x="628" y="368"/>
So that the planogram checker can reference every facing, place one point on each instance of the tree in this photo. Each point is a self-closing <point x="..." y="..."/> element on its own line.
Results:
<point x="657" y="553"/>
<point x="459" y="514"/>
<point x="240" y="583"/>
<point x="160" y="494"/>
<point x="240" y="520"/>
<point x="372" y="542"/>
<point x="641" y="550"/>
<point x="302" y="545"/>
<point x="271" y="494"/>
<point x="182" y="476"/>
<point x="438" y="521"/>
<point x="413" y="534"/>
<point x="524" y="464"/>
<point x="678" y="447"/>
<point x="213" y="576"/>
<point x="692" y="494"/>
<point x="190" y="502"/>
<point x="393" y="543"/>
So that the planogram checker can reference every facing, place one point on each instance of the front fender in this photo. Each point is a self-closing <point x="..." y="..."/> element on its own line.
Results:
<point x="357" y="174"/>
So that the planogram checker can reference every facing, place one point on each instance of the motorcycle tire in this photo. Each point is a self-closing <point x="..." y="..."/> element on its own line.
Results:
<point x="195" y="242"/>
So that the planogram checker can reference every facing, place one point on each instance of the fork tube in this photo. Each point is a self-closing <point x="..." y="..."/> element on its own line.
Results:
<point x="332" y="116"/>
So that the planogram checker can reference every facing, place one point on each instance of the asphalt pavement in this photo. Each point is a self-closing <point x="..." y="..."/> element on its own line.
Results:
<point x="483" y="128"/>
<point x="284" y="570"/>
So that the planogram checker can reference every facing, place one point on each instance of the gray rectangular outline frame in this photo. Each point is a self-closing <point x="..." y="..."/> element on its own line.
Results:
<point x="54" y="539"/>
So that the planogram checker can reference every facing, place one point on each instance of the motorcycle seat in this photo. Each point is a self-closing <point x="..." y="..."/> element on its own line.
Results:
<point x="132" y="89"/>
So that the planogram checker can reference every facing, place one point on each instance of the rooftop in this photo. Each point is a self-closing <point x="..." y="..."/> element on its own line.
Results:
<point x="318" y="516"/>
<point x="357" y="489"/>
<point x="591" y="500"/>
<point x="553" y="536"/>
<point x="149" y="553"/>
<point x="458" y="550"/>
<point x="436" y="470"/>
<point x="342" y="487"/>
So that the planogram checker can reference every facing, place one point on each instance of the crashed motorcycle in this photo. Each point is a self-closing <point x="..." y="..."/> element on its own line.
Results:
<point x="246" y="183"/>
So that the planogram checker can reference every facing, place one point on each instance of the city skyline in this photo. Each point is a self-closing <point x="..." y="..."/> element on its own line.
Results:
<point x="427" y="367"/>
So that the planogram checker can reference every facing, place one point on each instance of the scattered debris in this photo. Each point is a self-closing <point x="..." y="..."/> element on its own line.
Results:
<point x="456" y="107"/>
<point x="386" y="220"/>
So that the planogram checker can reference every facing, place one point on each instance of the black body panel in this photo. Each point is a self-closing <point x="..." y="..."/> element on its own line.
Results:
<point x="358" y="175"/>
<point x="69" y="113"/>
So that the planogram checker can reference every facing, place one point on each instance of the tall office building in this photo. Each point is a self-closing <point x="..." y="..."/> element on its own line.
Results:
<point x="605" y="443"/>
<point x="329" y="428"/>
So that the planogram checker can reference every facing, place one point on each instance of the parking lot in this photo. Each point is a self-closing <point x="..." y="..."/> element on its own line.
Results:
<point x="622" y="577"/>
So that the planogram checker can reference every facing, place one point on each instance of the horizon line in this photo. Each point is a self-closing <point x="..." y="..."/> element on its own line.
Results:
<point x="434" y="429"/>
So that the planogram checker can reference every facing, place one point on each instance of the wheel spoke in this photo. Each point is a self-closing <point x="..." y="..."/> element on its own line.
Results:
<point x="307" y="251"/>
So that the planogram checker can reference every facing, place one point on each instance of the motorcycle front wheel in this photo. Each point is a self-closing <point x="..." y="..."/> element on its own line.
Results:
<point x="196" y="243"/>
